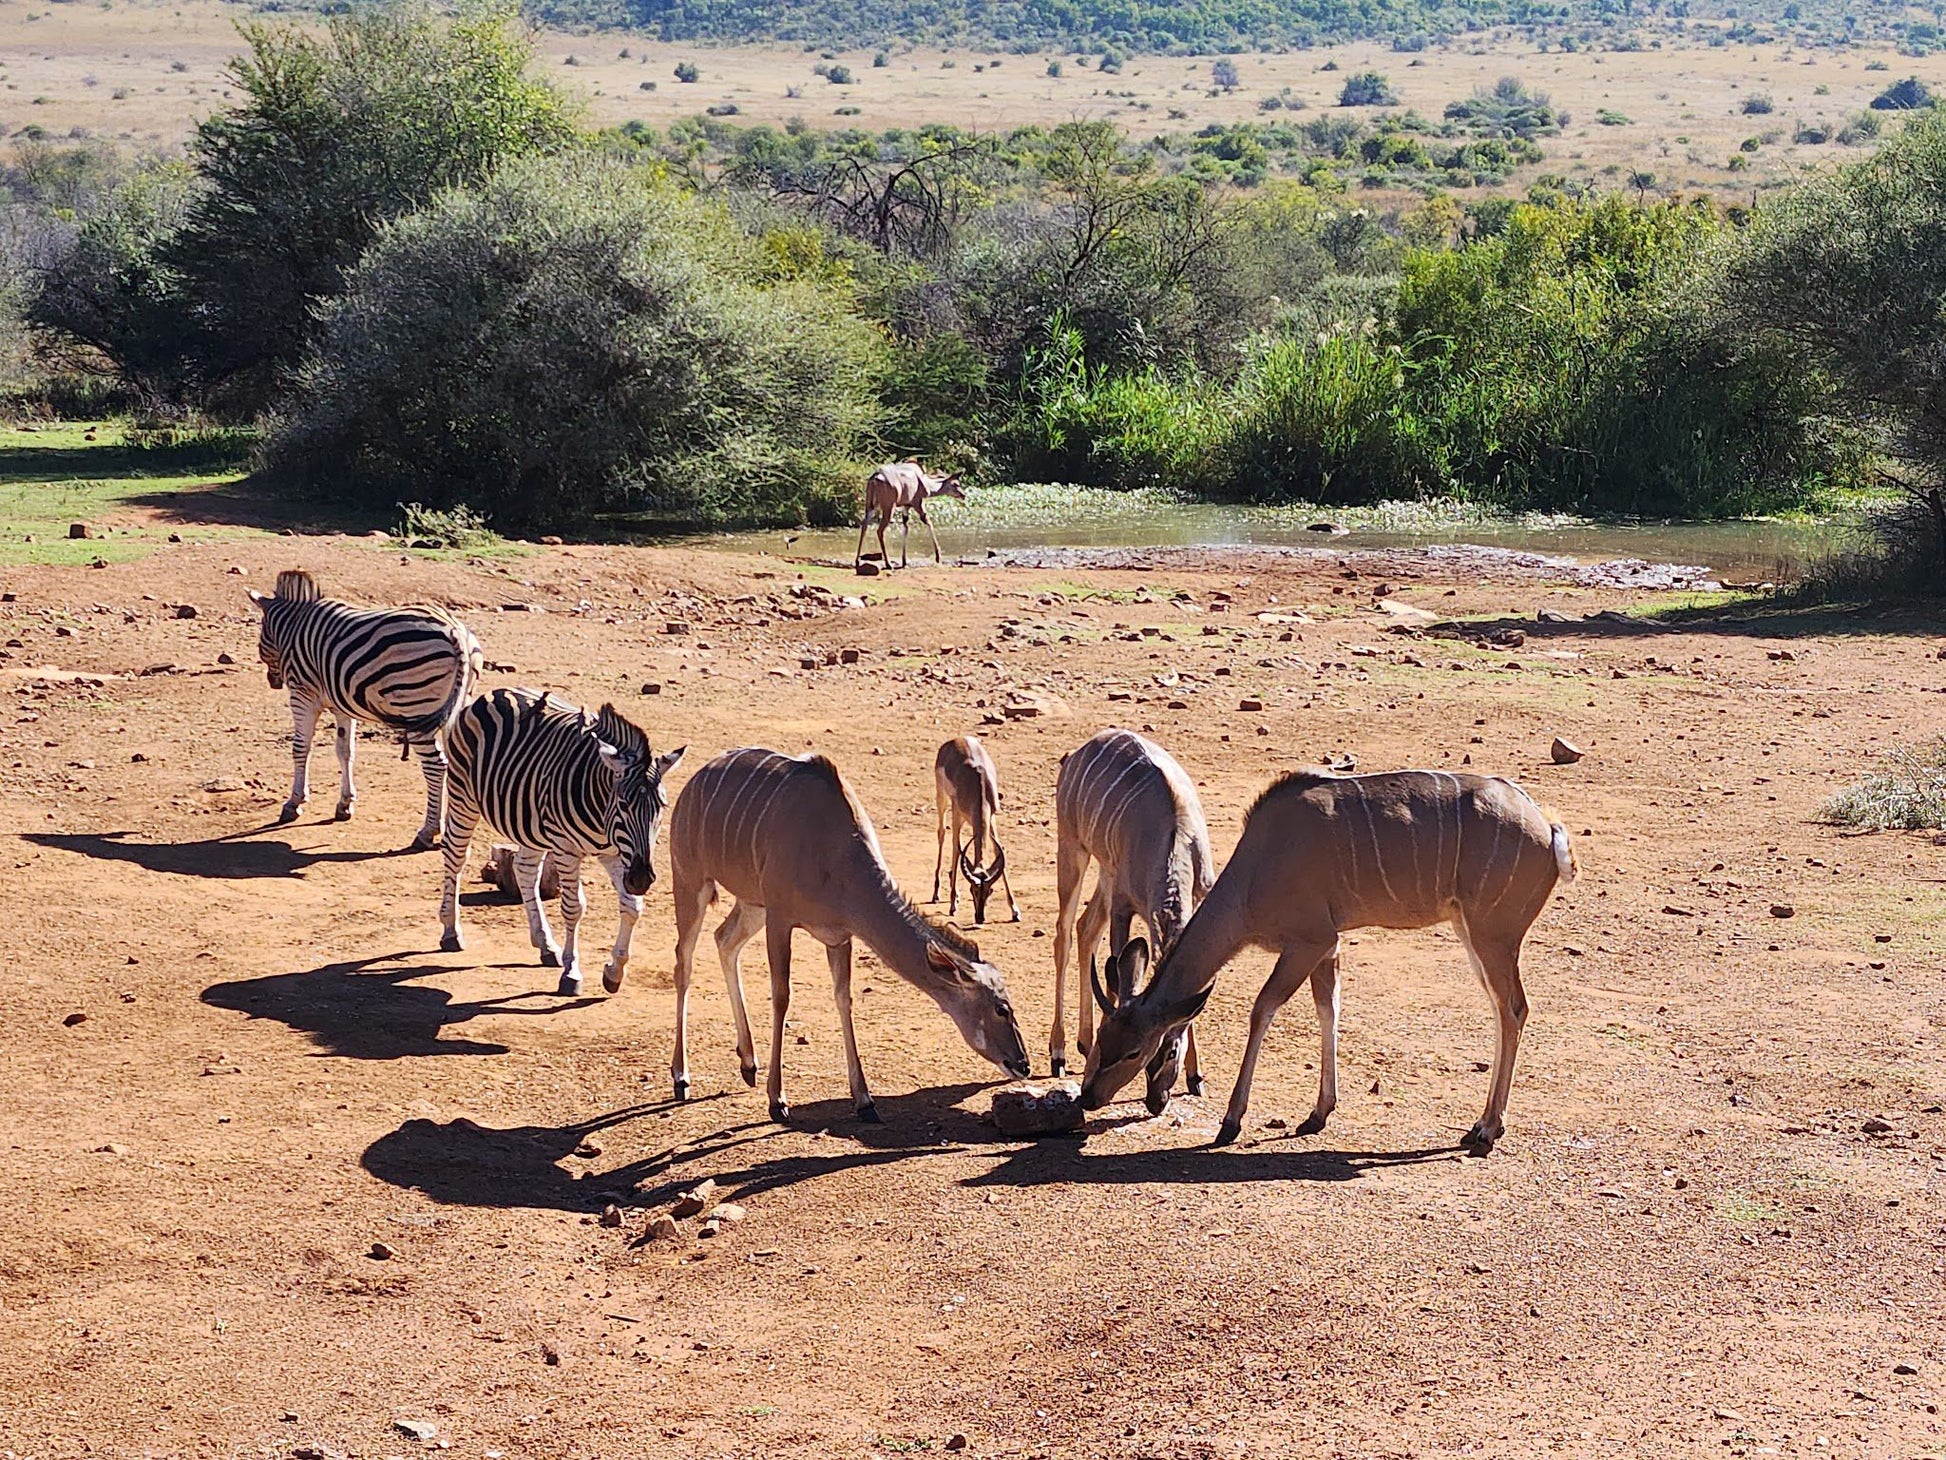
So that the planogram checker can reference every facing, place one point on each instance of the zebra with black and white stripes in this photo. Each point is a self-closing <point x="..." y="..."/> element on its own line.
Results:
<point x="559" y="785"/>
<point x="407" y="670"/>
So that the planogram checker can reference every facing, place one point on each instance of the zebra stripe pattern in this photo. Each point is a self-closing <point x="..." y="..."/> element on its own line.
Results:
<point x="407" y="670"/>
<point x="558" y="784"/>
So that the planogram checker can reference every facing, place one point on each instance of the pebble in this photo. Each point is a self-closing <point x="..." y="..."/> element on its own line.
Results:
<point x="651" y="688"/>
<point x="1249" y="705"/>
<point x="956" y="1442"/>
<point x="1904" y="1370"/>
<point x="663" y="1228"/>
<point x="1564" y="752"/>
<point x="78" y="531"/>
<point x="422" y="1430"/>
<point x="611" y="1215"/>
<point x="77" y="1017"/>
<point x="185" y="610"/>
<point x="225" y="659"/>
<point x="382" y="1252"/>
<point x="867" y="569"/>
<point x="729" y="1212"/>
<point x="697" y="1200"/>
<point x="675" y="627"/>
<point x="1782" y="910"/>
<point x="1876" y="1127"/>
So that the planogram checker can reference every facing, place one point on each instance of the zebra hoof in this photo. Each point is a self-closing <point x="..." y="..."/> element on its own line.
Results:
<point x="550" y="958"/>
<point x="1227" y="1132"/>
<point x="342" y="813"/>
<point x="780" y="1111"/>
<point x="420" y="843"/>
<point x="868" y="1113"/>
<point x="450" y="942"/>
<point x="570" y="985"/>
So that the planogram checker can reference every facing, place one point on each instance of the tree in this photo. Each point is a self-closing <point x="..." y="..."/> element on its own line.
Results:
<point x="337" y="132"/>
<point x="1367" y="88"/>
<point x="688" y="71"/>
<point x="1224" y="74"/>
<point x="579" y="336"/>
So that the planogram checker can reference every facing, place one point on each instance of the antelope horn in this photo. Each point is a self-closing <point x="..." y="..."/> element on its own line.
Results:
<point x="1101" y="989"/>
<point x="999" y="863"/>
<point x="973" y="873"/>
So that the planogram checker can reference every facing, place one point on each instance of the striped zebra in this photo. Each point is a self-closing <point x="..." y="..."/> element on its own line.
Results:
<point x="407" y="670"/>
<point x="561" y="787"/>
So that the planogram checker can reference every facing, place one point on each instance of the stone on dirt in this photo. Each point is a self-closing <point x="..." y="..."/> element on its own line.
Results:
<point x="1038" y="1108"/>
<point x="611" y="1215"/>
<point x="382" y="1252"/>
<point x="958" y="1441"/>
<point x="185" y="610"/>
<point x="422" y="1430"/>
<point x="79" y="531"/>
<point x="729" y="1212"/>
<point x="1249" y="704"/>
<point x="1565" y="752"/>
<point x="697" y="1200"/>
<point x="1782" y="910"/>
<point x="498" y="871"/>
<point x="663" y="1228"/>
<point x="867" y="569"/>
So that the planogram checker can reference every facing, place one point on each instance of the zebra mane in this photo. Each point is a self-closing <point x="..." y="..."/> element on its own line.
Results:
<point x="294" y="585"/>
<point x="617" y="730"/>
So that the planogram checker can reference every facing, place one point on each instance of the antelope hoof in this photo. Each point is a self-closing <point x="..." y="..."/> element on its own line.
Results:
<point x="1058" y="1065"/>
<point x="1311" y="1124"/>
<point x="1227" y="1132"/>
<point x="289" y="813"/>
<point x="682" y="1087"/>
<point x="550" y="958"/>
<point x="1480" y="1139"/>
<point x="611" y="978"/>
<point x="343" y="812"/>
<point x="750" y="1076"/>
<point x="868" y="1113"/>
<point x="449" y="942"/>
<point x="1195" y="1085"/>
<point x="780" y="1111"/>
<point x="570" y="985"/>
<point x="1016" y="917"/>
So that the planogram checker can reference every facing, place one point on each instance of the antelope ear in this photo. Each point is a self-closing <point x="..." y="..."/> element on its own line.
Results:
<point x="260" y="599"/>
<point x="1189" y="1008"/>
<point x="1130" y="968"/>
<point x="941" y="960"/>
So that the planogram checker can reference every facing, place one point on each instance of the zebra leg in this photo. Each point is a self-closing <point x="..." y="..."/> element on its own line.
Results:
<point x="347" y="753"/>
<point x="573" y="904"/>
<point x="459" y="837"/>
<point x="631" y="911"/>
<point x="527" y="876"/>
<point x="432" y="765"/>
<point x="304" y="724"/>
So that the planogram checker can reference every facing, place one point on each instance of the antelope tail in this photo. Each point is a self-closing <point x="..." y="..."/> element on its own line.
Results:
<point x="1564" y="854"/>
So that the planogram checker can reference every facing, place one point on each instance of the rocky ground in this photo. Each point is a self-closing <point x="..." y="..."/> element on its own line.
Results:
<point x="286" y="1181"/>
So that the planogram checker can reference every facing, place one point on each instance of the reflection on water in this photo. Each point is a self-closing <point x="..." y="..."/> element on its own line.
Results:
<point x="1741" y="552"/>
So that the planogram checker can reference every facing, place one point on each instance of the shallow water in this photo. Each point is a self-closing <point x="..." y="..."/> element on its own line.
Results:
<point x="1021" y="518"/>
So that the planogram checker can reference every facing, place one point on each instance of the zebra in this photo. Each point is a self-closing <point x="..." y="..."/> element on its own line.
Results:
<point x="405" y="669"/>
<point x="561" y="786"/>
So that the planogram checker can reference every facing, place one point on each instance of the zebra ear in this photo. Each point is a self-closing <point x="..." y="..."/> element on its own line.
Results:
<point x="667" y="762"/>
<point x="260" y="599"/>
<point x="616" y="760"/>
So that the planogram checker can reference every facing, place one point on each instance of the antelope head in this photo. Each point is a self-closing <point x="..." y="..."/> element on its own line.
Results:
<point x="974" y="996"/>
<point x="949" y="487"/>
<point x="1139" y="1031"/>
<point x="980" y="883"/>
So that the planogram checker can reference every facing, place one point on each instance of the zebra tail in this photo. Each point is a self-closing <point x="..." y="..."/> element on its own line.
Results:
<point x="472" y="661"/>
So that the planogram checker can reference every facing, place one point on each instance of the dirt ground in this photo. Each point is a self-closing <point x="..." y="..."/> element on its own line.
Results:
<point x="232" y="1063"/>
<point x="145" y="71"/>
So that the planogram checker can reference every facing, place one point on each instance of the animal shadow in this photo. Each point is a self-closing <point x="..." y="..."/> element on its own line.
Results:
<point x="358" y="1010"/>
<point x="224" y="857"/>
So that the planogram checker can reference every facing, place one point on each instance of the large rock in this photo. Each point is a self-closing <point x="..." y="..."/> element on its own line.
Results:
<point x="1038" y="1108"/>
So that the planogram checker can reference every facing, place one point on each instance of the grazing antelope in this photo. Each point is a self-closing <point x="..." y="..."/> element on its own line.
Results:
<point x="902" y="486"/>
<point x="966" y="787"/>
<point x="1124" y="803"/>
<point x="788" y="840"/>
<point x="407" y="670"/>
<point x="562" y="786"/>
<point x="1323" y="854"/>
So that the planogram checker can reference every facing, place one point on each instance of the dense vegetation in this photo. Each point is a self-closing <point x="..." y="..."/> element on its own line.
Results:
<point x="487" y="307"/>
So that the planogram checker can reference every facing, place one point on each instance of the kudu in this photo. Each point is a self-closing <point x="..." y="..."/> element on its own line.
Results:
<point x="1319" y="856"/>
<point x="966" y="788"/>
<point x="788" y="840"/>
<point x="902" y="486"/>
<point x="1123" y="803"/>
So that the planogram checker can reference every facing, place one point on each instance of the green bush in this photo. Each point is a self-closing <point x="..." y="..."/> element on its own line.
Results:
<point x="1367" y="88"/>
<point x="577" y="337"/>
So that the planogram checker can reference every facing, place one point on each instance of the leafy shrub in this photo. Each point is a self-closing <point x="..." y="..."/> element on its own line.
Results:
<point x="1907" y="794"/>
<point x="838" y="75"/>
<point x="427" y="527"/>
<point x="688" y="71"/>
<point x="1609" y="117"/>
<point x="578" y="337"/>
<point x="1224" y="74"/>
<point x="1508" y="109"/>
<point x="1367" y="88"/>
<point x="1758" y="104"/>
<point x="1908" y="95"/>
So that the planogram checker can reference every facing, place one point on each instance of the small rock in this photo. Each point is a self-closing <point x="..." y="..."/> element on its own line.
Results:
<point x="550" y="541"/>
<point x="958" y="1441"/>
<point x="847" y="656"/>
<point x="1277" y="1122"/>
<point x="1782" y="656"/>
<point x="225" y="659"/>
<point x="663" y="1228"/>
<point x="550" y="1355"/>
<point x="154" y="669"/>
<point x="697" y="1200"/>
<point x="77" y="531"/>
<point x="868" y="569"/>
<point x="1550" y="616"/>
<point x="1671" y="910"/>
<point x="611" y="1215"/>
<point x="422" y="1430"/>
<point x="711" y="1226"/>
<point x="316" y="1452"/>
<point x="1904" y="1370"/>
<point x="1782" y="910"/>
<point x="1331" y="527"/>
<point x="588" y="1149"/>
<point x="1037" y="1109"/>
<point x="113" y="1148"/>
<point x="1249" y="704"/>
<point x="382" y="1252"/>
<point x="1565" y="752"/>
<point x="675" y="627"/>
<point x="175" y="537"/>
<point x="77" y="1017"/>
<point x="729" y="1212"/>
<point x="1876" y="1127"/>
<point x="185" y="610"/>
<point x="651" y="687"/>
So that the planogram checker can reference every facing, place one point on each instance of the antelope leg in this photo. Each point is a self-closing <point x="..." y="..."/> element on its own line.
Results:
<point x="778" y="937"/>
<point x="1294" y="965"/>
<point x="839" y="957"/>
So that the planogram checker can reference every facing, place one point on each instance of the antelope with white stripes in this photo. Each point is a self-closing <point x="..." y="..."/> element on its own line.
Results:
<point x="787" y="839"/>
<point x="966" y="792"/>
<point x="902" y="486"/>
<point x="407" y="670"/>
<point x="1321" y="855"/>
<point x="561" y="786"/>
<point x="1123" y="803"/>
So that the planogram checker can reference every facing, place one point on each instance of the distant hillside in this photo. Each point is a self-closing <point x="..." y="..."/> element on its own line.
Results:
<point x="1213" y="25"/>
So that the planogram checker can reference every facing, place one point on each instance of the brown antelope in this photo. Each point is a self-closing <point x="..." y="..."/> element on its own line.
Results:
<point x="1323" y="854"/>
<point x="788" y="840"/>
<point x="902" y="486"/>
<point x="1123" y="803"/>
<point x="966" y="788"/>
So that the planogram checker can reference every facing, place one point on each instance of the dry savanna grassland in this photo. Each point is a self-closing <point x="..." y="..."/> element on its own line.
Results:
<point x="145" y="72"/>
<point x="286" y="1181"/>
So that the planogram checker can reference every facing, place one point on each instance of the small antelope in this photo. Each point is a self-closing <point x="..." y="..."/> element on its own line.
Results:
<point x="966" y="787"/>
<point x="902" y="486"/>
<point x="1124" y="803"/>
<point x="788" y="840"/>
<point x="1319" y="856"/>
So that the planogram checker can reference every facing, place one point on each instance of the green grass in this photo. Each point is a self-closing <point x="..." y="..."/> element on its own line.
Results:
<point x="55" y="475"/>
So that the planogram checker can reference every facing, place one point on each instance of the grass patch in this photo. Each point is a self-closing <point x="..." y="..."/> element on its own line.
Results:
<point x="1907" y="793"/>
<point x="1735" y="1207"/>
